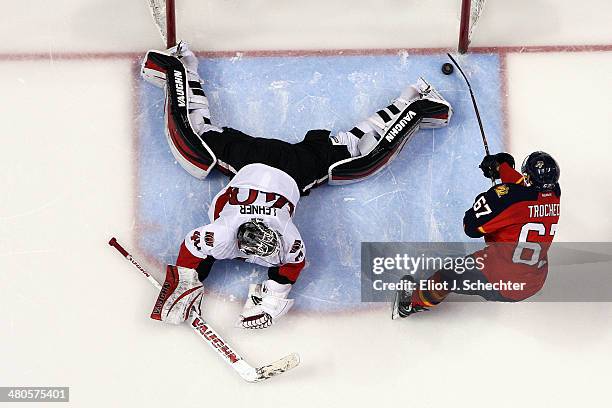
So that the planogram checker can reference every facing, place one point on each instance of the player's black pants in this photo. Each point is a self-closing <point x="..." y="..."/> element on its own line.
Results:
<point x="307" y="161"/>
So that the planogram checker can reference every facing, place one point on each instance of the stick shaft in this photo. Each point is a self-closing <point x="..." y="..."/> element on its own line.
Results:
<point x="197" y="324"/>
<point x="482" y="133"/>
<point x="476" y="111"/>
<point x="113" y="242"/>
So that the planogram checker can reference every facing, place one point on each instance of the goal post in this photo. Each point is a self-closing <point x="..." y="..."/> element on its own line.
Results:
<point x="170" y="24"/>
<point x="470" y="13"/>
<point x="164" y="16"/>
<point x="163" y="13"/>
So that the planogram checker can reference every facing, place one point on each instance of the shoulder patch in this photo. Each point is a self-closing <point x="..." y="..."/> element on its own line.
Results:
<point x="209" y="238"/>
<point x="501" y="190"/>
<point x="297" y="244"/>
<point x="195" y="238"/>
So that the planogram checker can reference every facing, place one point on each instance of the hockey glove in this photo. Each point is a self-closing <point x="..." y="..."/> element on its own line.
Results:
<point x="490" y="164"/>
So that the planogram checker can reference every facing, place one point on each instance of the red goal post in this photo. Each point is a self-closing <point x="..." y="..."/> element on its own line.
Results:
<point x="470" y="13"/>
<point x="164" y="15"/>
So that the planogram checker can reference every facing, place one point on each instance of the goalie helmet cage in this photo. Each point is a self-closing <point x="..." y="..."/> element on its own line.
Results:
<point x="163" y="12"/>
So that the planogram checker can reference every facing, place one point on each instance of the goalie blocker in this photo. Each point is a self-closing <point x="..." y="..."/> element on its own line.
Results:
<point x="344" y="158"/>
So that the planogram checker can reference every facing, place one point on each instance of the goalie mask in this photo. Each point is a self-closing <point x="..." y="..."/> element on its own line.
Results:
<point x="256" y="238"/>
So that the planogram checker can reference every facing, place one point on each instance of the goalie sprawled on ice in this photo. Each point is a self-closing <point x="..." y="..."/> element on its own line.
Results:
<point x="251" y="219"/>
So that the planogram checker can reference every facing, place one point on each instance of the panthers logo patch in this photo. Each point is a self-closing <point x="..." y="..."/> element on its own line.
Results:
<point x="501" y="190"/>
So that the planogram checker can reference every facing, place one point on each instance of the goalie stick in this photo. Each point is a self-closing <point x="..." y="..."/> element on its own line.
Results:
<point x="476" y="111"/>
<point x="216" y="342"/>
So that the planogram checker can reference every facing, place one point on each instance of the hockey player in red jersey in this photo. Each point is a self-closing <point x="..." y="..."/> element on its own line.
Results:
<point x="518" y="220"/>
<point x="252" y="218"/>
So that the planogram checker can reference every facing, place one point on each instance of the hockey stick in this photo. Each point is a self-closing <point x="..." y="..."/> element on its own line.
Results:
<point x="482" y="132"/>
<point x="216" y="342"/>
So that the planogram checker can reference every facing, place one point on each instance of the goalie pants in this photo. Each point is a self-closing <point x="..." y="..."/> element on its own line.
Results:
<point x="307" y="162"/>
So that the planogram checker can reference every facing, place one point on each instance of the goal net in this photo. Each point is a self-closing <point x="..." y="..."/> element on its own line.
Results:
<point x="470" y="13"/>
<point x="163" y="13"/>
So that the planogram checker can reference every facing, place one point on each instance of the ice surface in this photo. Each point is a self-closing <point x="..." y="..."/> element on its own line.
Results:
<point x="75" y="313"/>
<point x="420" y="197"/>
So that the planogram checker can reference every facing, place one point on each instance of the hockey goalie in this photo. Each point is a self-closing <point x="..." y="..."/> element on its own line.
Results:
<point x="252" y="217"/>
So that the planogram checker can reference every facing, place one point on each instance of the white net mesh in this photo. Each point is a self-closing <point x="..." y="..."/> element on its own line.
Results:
<point x="158" y="11"/>
<point x="191" y="23"/>
<point x="475" y="11"/>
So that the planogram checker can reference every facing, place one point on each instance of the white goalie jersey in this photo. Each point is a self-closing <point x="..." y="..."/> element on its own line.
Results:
<point x="257" y="191"/>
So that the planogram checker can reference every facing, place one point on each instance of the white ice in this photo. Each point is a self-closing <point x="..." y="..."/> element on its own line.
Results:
<point x="74" y="313"/>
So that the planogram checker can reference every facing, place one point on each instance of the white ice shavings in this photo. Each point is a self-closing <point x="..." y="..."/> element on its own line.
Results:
<point x="358" y="78"/>
<point x="250" y="277"/>
<point x="382" y="195"/>
<point x="279" y="84"/>
<point x="280" y="90"/>
<point x="361" y="104"/>
<point x="315" y="298"/>
<point x="45" y="205"/>
<point x="403" y="55"/>
<point x="237" y="57"/>
<point x="316" y="77"/>
<point x="362" y="100"/>
<point x="214" y="101"/>
<point x="255" y="117"/>
<point x="322" y="112"/>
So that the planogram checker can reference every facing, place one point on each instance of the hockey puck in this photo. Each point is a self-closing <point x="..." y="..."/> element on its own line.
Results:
<point x="447" y="68"/>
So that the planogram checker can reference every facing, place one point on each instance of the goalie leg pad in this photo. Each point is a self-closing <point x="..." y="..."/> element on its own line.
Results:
<point x="382" y="151"/>
<point x="187" y="147"/>
<point x="383" y="135"/>
<point x="153" y="73"/>
<point x="156" y="75"/>
<point x="436" y="111"/>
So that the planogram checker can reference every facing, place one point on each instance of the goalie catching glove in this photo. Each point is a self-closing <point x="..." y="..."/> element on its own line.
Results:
<point x="180" y="292"/>
<point x="265" y="304"/>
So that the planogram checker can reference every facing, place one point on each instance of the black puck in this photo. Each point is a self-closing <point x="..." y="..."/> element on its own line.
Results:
<point x="447" y="68"/>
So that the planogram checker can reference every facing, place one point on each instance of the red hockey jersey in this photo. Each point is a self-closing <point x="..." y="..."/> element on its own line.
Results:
<point x="523" y="218"/>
